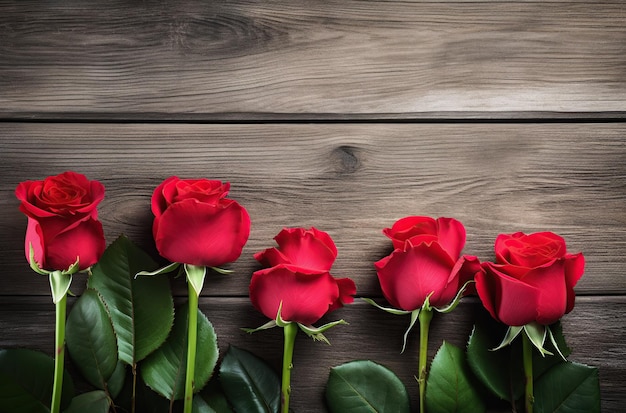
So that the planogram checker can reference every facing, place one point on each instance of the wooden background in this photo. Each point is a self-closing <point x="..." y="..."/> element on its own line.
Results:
<point x="345" y="115"/>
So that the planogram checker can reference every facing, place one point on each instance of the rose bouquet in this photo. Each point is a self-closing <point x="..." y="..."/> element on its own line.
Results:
<point x="138" y="351"/>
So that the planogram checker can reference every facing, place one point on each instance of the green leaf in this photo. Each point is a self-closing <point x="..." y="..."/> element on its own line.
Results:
<point x="115" y="383"/>
<point x="92" y="402"/>
<point x="26" y="381"/>
<point x="496" y="370"/>
<point x="142" y="308"/>
<point x="568" y="388"/>
<point x="449" y="386"/>
<point x="200" y="406"/>
<point x="250" y="384"/>
<point x="364" y="386"/>
<point x="164" y="370"/>
<point x="90" y="339"/>
<point x="214" y="396"/>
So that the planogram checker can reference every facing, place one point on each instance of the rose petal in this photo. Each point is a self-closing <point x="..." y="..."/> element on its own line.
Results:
<point x="420" y="228"/>
<point x="464" y="270"/>
<point x="85" y="241"/>
<point x="203" y="190"/>
<point x="162" y="196"/>
<point x="347" y="290"/>
<point x="451" y="236"/>
<point x="271" y="257"/>
<point x="507" y="299"/>
<point x="531" y="250"/>
<point x="305" y="298"/>
<point x="549" y="280"/>
<point x="312" y="248"/>
<point x="191" y="232"/>
<point x="34" y="237"/>
<point x="574" y="269"/>
<point x="408" y="276"/>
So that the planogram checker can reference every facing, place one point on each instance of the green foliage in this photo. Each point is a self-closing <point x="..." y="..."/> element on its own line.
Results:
<point x="249" y="383"/>
<point x="26" y="381"/>
<point x="364" y="386"/>
<point x="92" y="402"/>
<point x="568" y="388"/>
<point x="90" y="339"/>
<point x="498" y="371"/>
<point x="214" y="396"/>
<point x="450" y="386"/>
<point x="164" y="370"/>
<point x="141" y="308"/>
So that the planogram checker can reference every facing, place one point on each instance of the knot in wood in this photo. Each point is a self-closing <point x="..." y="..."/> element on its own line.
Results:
<point x="346" y="159"/>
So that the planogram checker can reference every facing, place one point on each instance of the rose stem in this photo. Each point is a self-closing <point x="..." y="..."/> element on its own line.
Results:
<point x="528" y="372"/>
<point x="192" y="334"/>
<point x="290" y="331"/>
<point x="59" y="354"/>
<point x="424" y="317"/>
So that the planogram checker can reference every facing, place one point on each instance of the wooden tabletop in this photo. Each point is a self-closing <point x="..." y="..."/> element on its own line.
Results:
<point x="343" y="115"/>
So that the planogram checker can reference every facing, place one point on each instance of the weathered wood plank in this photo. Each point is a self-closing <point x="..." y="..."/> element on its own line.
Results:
<point x="372" y="334"/>
<point x="351" y="180"/>
<point x="302" y="59"/>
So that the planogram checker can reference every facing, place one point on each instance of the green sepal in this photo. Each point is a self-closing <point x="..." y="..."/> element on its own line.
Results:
<point x="73" y="268"/>
<point x="266" y="326"/>
<point x="390" y="310"/>
<point x="279" y="319"/>
<point x="164" y="270"/>
<point x="554" y="343"/>
<point x="510" y="335"/>
<point x="59" y="285"/>
<point x="316" y="333"/>
<point x="195" y="277"/>
<point x="222" y="271"/>
<point x="414" y="316"/>
<point x="455" y="301"/>
<point x="536" y="333"/>
<point x="33" y="264"/>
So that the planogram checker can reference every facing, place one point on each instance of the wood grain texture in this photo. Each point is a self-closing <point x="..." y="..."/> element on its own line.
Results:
<point x="402" y="96"/>
<point x="351" y="180"/>
<point x="590" y="331"/>
<point x="302" y="59"/>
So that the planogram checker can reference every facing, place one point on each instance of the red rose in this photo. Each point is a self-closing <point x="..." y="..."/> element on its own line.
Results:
<point x="448" y="232"/>
<point x="195" y="224"/>
<point x="312" y="249"/>
<point x="62" y="220"/>
<point x="299" y="278"/>
<point x="425" y="262"/>
<point x="532" y="280"/>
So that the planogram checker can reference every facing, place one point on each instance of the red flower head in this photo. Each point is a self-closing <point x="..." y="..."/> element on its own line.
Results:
<point x="194" y="222"/>
<point x="425" y="262"/>
<point x="299" y="278"/>
<point x="532" y="279"/>
<point x="62" y="220"/>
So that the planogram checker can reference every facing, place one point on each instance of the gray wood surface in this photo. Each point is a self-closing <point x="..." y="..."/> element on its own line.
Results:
<point x="304" y="59"/>
<point x="344" y="115"/>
